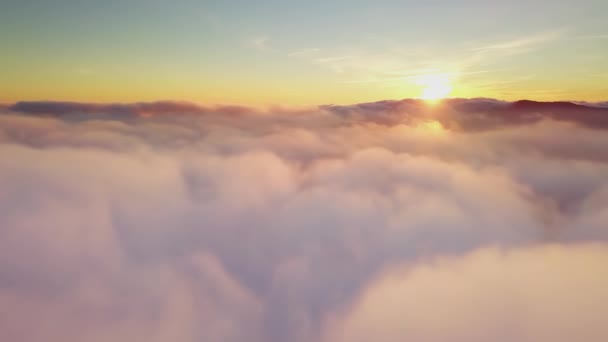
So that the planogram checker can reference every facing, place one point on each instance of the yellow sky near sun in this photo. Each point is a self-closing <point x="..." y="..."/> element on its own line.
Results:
<point x="302" y="93"/>
<point x="343" y="52"/>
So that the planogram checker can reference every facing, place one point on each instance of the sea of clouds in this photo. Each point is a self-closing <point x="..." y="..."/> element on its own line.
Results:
<point x="467" y="220"/>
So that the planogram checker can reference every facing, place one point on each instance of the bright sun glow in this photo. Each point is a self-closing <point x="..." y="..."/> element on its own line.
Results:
<point x="435" y="87"/>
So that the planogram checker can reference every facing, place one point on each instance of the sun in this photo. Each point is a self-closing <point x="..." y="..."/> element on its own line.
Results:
<point x="434" y="87"/>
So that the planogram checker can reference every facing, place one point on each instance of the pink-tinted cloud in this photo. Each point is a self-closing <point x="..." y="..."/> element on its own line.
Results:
<point x="285" y="225"/>
<point x="118" y="110"/>
<point x="476" y="114"/>
<point x="467" y="114"/>
<point x="489" y="295"/>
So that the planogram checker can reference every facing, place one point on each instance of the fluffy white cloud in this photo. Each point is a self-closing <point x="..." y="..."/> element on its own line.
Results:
<point x="551" y="293"/>
<point x="134" y="222"/>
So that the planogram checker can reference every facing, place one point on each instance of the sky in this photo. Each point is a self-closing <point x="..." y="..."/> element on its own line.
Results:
<point x="301" y="52"/>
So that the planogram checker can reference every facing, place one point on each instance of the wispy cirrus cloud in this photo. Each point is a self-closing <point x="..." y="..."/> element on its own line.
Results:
<point x="391" y="63"/>
<point x="303" y="52"/>
<point x="597" y="36"/>
<point x="523" y="44"/>
<point x="259" y="42"/>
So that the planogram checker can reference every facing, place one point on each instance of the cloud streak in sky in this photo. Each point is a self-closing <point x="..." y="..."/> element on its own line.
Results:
<point x="524" y="43"/>
<point x="472" y="220"/>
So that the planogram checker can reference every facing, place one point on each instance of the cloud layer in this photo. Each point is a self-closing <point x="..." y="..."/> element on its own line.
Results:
<point x="471" y="220"/>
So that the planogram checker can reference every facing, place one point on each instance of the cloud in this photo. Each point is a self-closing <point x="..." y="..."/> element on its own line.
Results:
<point x="524" y="43"/>
<point x="476" y="114"/>
<point x="172" y="221"/>
<point x="520" y="295"/>
<point x="592" y="37"/>
<point x="260" y="42"/>
<point x="83" y="110"/>
<point x="595" y="104"/>
<point x="303" y="52"/>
